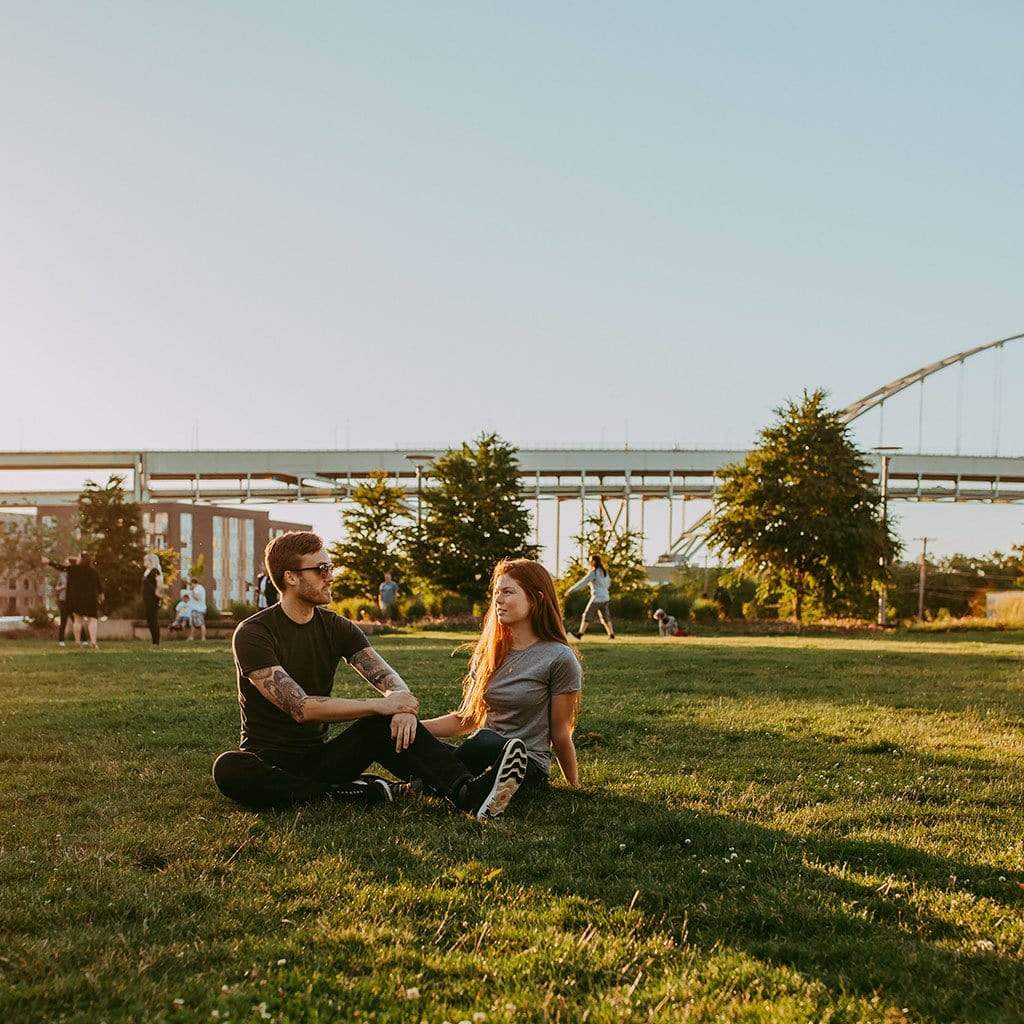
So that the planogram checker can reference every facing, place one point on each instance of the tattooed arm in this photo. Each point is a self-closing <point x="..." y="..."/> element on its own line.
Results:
<point x="281" y="690"/>
<point x="376" y="671"/>
<point x="381" y="676"/>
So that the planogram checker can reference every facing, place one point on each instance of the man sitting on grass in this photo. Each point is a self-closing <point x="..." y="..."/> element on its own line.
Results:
<point x="285" y="658"/>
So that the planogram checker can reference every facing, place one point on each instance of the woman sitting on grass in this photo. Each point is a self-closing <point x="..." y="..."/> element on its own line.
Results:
<point x="524" y="679"/>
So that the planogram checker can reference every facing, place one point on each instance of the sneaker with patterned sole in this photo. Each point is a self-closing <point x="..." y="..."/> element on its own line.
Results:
<point x="492" y="790"/>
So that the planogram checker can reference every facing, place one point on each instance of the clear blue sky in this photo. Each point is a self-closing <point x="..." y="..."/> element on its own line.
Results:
<point x="397" y="224"/>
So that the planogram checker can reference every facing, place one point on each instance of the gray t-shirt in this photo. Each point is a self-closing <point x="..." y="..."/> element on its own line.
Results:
<point x="519" y="695"/>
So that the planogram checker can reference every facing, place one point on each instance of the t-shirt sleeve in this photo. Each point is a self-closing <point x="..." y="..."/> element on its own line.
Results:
<point x="349" y="639"/>
<point x="566" y="674"/>
<point x="254" y="647"/>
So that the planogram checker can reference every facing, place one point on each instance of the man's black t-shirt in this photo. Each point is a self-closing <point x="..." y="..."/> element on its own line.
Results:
<point x="309" y="653"/>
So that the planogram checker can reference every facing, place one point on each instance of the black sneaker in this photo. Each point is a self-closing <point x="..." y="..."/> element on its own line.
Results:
<point x="572" y="632"/>
<point x="488" y="794"/>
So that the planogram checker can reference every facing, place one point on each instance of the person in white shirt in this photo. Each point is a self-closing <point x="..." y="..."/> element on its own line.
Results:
<point x="182" y="612"/>
<point x="197" y="609"/>
<point x="599" y="605"/>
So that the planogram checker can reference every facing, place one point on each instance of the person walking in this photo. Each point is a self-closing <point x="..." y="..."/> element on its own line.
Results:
<point x="198" y="609"/>
<point x="387" y="596"/>
<point x="152" y="591"/>
<point x="524" y="679"/>
<point x="84" y="596"/>
<point x="62" y="601"/>
<point x="285" y="660"/>
<point x="599" y="605"/>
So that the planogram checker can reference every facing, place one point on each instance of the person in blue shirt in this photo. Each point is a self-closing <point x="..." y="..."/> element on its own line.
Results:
<point x="387" y="596"/>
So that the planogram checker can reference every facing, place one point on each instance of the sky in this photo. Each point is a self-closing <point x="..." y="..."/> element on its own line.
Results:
<point x="315" y="225"/>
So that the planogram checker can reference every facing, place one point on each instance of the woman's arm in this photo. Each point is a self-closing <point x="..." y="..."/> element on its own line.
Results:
<point x="451" y="724"/>
<point x="581" y="583"/>
<point x="563" y="706"/>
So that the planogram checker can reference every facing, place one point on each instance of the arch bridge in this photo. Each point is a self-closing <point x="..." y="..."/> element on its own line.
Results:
<point x="619" y="483"/>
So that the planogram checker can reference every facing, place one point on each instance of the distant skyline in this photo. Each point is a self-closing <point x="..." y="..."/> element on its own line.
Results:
<point x="398" y="225"/>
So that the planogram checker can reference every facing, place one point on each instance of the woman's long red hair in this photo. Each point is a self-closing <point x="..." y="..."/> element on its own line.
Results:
<point x="495" y="641"/>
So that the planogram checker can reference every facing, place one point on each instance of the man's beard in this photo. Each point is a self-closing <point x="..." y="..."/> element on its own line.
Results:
<point x="314" y="595"/>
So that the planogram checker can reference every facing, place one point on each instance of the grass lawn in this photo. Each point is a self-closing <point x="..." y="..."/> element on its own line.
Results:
<point x="771" y="829"/>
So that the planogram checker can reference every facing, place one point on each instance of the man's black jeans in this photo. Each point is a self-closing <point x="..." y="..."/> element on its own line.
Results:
<point x="279" y="779"/>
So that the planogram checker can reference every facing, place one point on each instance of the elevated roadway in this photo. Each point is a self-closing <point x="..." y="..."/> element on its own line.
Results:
<point x="550" y="473"/>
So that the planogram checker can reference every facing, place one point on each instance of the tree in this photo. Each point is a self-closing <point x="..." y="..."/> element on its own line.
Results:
<point x="801" y="511"/>
<point x="112" y="534"/>
<point x="620" y="551"/>
<point x="375" y="538"/>
<point x="472" y="517"/>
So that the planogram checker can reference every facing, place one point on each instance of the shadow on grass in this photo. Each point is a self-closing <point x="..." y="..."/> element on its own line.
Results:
<point x="713" y="881"/>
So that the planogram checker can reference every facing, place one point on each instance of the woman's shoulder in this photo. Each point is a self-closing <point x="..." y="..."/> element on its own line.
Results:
<point x="555" y="650"/>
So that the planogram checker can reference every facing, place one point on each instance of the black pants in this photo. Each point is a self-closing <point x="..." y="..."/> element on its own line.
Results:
<point x="65" y="615"/>
<point x="152" y="607"/>
<point x="483" y="749"/>
<point x="279" y="779"/>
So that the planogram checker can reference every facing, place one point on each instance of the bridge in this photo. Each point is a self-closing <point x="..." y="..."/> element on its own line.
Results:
<point x="623" y="480"/>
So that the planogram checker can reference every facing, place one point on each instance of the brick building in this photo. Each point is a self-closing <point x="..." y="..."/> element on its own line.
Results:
<point x="19" y="592"/>
<point x="230" y="541"/>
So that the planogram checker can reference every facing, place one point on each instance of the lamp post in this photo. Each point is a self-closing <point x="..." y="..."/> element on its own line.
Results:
<point x="885" y="452"/>
<point x="419" y="461"/>
<point x="921" y="574"/>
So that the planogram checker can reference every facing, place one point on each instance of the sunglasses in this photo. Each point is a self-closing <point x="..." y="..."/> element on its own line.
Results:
<point x="325" y="569"/>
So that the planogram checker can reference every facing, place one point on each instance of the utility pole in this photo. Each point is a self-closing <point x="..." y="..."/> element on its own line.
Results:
<point x="886" y="453"/>
<point x="921" y="576"/>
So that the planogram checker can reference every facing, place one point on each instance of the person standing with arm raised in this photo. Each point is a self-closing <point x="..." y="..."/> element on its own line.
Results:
<point x="285" y="660"/>
<point x="599" y="605"/>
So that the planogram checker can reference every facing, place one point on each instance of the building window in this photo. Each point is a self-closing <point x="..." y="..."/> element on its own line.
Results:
<point x="220" y="576"/>
<point x="248" y="559"/>
<point x="154" y="526"/>
<point x="234" y="560"/>
<point x="185" y="554"/>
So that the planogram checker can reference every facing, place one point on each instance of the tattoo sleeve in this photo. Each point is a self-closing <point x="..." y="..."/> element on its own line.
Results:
<point x="281" y="690"/>
<point x="376" y="671"/>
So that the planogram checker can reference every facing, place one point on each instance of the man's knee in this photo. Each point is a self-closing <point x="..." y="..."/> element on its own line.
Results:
<point x="254" y="783"/>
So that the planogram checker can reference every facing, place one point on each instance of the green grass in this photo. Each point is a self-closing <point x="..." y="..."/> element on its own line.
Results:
<point x="771" y="829"/>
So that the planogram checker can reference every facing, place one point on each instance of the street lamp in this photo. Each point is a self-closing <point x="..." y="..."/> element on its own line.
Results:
<point x="419" y="461"/>
<point x="885" y="452"/>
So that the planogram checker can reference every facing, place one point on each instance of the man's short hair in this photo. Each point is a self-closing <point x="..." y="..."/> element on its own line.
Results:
<point x="285" y="551"/>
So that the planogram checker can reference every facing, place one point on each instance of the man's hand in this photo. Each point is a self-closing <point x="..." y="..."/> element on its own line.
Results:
<point x="403" y="730"/>
<point x="398" y="702"/>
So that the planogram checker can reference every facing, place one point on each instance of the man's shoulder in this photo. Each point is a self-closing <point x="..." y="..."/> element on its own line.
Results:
<point x="335" y="621"/>
<point x="259" y="622"/>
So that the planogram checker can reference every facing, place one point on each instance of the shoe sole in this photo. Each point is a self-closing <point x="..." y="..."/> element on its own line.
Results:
<point x="508" y="777"/>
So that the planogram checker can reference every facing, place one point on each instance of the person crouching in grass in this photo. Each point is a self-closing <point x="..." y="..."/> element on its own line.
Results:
<point x="524" y="680"/>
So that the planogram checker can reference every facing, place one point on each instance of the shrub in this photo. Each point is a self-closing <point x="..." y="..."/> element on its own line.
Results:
<point x="38" y="617"/>
<point x="631" y="606"/>
<point x="705" y="612"/>
<point x="413" y="608"/>
<point x="241" y="609"/>
<point x="674" y="604"/>
<point x="357" y="608"/>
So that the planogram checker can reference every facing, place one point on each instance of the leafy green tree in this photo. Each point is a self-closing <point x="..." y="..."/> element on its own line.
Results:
<point x="801" y="511"/>
<point x="473" y="515"/>
<point x="957" y="583"/>
<point x="375" y="538"/>
<point x="622" y="554"/>
<point x="111" y="531"/>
